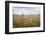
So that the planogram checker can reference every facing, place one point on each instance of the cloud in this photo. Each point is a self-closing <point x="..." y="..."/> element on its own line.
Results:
<point x="26" y="10"/>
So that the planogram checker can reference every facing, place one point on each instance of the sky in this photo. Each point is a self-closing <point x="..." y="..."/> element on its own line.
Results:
<point x="26" y="10"/>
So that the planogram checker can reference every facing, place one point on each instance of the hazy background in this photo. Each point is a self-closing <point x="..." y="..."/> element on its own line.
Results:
<point x="26" y="10"/>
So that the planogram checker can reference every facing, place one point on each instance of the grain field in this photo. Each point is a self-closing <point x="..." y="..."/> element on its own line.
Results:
<point x="26" y="21"/>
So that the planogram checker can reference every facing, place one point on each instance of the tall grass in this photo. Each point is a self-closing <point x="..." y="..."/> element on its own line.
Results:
<point x="26" y="21"/>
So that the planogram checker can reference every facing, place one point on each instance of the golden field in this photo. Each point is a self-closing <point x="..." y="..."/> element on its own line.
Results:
<point x="26" y="21"/>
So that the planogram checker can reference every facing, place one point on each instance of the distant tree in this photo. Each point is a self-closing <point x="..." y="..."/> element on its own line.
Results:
<point x="13" y="15"/>
<point x="22" y="14"/>
<point x="39" y="15"/>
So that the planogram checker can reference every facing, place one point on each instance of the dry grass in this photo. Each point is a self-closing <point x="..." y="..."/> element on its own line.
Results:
<point x="26" y="21"/>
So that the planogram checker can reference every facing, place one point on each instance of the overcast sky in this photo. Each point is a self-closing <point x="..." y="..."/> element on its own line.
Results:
<point x="26" y="10"/>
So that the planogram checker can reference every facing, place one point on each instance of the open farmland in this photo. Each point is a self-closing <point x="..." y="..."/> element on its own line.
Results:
<point x="26" y="21"/>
